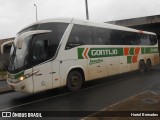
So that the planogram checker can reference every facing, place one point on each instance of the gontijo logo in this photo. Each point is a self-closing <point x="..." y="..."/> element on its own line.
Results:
<point x="104" y="52"/>
<point x="85" y="53"/>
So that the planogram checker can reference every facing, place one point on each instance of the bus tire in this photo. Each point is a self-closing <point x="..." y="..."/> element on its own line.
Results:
<point x="142" y="67"/>
<point x="148" y="64"/>
<point x="74" y="80"/>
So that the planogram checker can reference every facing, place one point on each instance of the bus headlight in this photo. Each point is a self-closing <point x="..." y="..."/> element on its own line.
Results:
<point x="22" y="78"/>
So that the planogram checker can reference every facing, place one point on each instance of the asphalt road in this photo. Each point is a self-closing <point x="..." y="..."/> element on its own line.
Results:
<point x="3" y="83"/>
<point x="94" y="96"/>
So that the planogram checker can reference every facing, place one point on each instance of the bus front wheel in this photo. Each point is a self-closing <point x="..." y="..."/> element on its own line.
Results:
<point x="74" y="80"/>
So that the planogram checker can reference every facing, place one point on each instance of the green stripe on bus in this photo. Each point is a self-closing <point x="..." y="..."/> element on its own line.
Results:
<point x="80" y="53"/>
<point x="149" y="50"/>
<point x="131" y="51"/>
<point x="111" y="52"/>
<point x="15" y="76"/>
<point x="129" y="59"/>
<point x="143" y="50"/>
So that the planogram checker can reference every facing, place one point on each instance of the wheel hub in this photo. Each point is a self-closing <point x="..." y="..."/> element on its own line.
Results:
<point x="75" y="81"/>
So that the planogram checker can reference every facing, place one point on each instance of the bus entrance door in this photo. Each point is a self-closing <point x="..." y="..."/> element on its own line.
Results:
<point x="56" y="74"/>
<point x="42" y="80"/>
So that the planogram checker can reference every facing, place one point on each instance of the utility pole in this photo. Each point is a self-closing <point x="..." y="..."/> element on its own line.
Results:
<point x="36" y="12"/>
<point x="87" y="14"/>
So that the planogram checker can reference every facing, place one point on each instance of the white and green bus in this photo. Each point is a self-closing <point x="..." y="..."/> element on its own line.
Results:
<point x="68" y="52"/>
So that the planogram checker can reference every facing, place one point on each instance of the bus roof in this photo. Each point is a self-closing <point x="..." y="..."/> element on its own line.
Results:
<point x="90" y="23"/>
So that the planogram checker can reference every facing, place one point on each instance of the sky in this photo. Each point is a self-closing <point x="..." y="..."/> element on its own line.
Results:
<point x="16" y="14"/>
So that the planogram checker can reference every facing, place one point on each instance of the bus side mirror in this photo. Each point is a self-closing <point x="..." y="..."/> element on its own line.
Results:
<point x="19" y="44"/>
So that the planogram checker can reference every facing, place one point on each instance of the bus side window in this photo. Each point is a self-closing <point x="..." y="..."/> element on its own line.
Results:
<point x="40" y="50"/>
<point x="55" y="36"/>
<point x="136" y="39"/>
<point x="108" y="37"/>
<point x="145" y="39"/>
<point x="80" y="35"/>
<point x="99" y="36"/>
<point x="113" y="40"/>
<point x="116" y="37"/>
<point x="153" y="39"/>
<point x="131" y="38"/>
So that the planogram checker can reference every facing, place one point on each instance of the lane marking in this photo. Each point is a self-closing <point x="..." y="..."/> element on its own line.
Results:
<point x="68" y="93"/>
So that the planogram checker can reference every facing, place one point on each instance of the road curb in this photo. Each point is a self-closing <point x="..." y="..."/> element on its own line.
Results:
<point x="6" y="91"/>
<point x="4" y="88"/>
<point x="3" y="80"/>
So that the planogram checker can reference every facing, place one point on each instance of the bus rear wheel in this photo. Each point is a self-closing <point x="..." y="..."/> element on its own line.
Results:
<point x="148" y="64"/>
<point x="74" y="80"/>
<point x="142" y="67"/>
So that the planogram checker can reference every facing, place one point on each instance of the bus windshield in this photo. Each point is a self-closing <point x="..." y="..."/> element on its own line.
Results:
<point x="18" y="56"/>
<point x="38" y="45"/>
